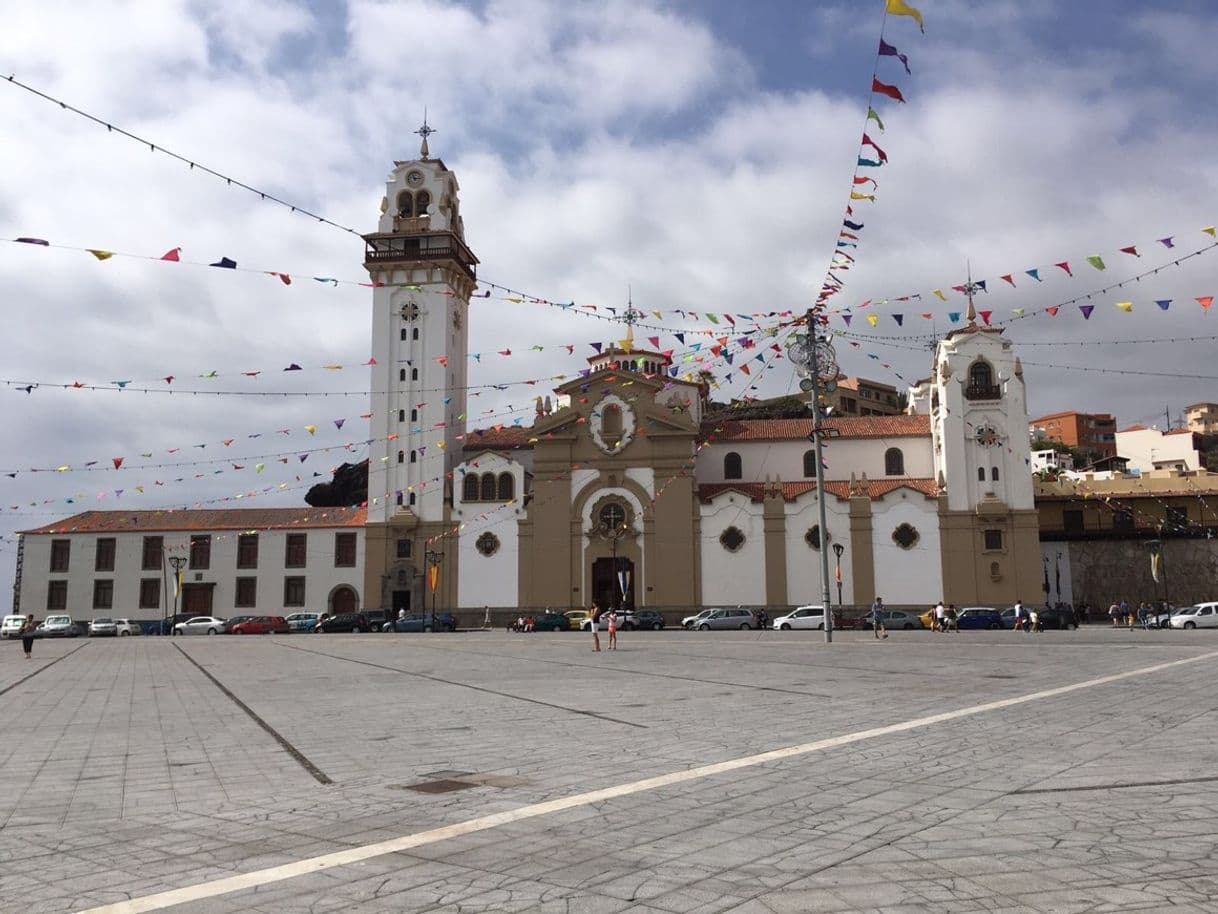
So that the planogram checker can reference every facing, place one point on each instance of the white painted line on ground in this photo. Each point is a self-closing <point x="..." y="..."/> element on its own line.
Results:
<point x="224" y="886"/>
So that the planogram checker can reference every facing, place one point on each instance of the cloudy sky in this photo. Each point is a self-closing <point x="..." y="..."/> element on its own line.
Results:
<point x="698" y="153"/>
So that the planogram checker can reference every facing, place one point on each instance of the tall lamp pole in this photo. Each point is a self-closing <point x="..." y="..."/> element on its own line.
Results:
<point x="178" y="562"/>
<point x="433" y="560"/>
<point x="816" y="362"/>
<point x="838" y="549"/>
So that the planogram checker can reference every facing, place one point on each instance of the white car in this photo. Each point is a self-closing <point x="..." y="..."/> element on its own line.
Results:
<point x="102" y="626"/>
<point x="200" y="625"/>
<point x="806" y="617"/>
<point x="1203" y="615"/>
<point x="127" y="627"/>
<point x="692" y="621"/>
<point x="58" y="627"/>
<point x="11" y="626"/>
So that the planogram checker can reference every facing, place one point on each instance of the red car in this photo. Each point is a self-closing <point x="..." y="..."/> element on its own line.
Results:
<point x="262" y="625"/>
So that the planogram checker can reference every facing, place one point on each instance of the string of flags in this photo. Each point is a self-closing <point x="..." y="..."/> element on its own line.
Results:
<point x="863" y="186"/>
<point x="1070" y="269"/>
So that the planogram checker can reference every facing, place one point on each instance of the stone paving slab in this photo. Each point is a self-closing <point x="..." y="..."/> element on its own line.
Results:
<point x="128" y="771"/>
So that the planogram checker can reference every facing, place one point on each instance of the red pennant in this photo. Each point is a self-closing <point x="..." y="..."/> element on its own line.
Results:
<point x="745" y="369"/>
<point x="1065" y="265"/>
<point x="1131" y="250"/>
<point x="985" y="316"/>
<point x="1205" y="301"/>
<point x="1008" y="278"/>
<point x="1053" y="310"/>
<point x="118" y="462"/>
<point x="884" y="89"/>
<point x="172" y="255"/>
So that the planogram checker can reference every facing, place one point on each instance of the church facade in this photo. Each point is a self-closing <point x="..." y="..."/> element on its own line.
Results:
<point x="628" y="488"/>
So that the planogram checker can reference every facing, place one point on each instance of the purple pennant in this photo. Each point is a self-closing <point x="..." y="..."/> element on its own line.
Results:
<point x="338" y="423"/>
<point x="980" y="284"/>
<point x="1164" y="303"/>
<point x="596" y="346"/>
<point x="900" y="319"/>
<point x="887" y="50"/>
<point x="727" y="357"/>
<point x="1166" y="242"/>
<point x="1086" y="309"/>
<point x="45" y="244"/>
<point x="847" y="318"/>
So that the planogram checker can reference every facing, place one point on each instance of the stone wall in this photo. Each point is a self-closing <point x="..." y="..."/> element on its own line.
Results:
<point x="1103" y="571"/>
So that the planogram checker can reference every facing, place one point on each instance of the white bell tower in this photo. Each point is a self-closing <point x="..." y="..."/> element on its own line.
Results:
<point x="423" y="275"/>
<point x="988" y="523"/>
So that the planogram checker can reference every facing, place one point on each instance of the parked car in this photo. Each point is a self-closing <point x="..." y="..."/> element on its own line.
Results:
<point x="1203" y="615"/>
<point x="692" y="621"/>
<point x="302" y="622"/>
<point x="379" y="619"/>
<point x="577" y="617"/>
<point x="199" y="625"/>
<point x="551" y="622"/>
<point x="343" y="622"/>
<point x="123" y="627"/>
<point x="893" y="619"/>
<point x="726" y="618"/>
<point x="423" y="622"/>
<point x="805" y="617"/>
<point x="649" y="618"/>
<point x="1056" y="618"/>
<point x="58" y="627"/>
<point x="973" y="617"/>
<point x="11" y="626"/>
<point x="261" y="625"/>
<point x="103" y="627"/>
<point x="625" y="621"/>
<point x="234" y="620"/>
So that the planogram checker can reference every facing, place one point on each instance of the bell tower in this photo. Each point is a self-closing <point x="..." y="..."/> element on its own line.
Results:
<point x="422" y="274"/>
<point x="979" y="426"/>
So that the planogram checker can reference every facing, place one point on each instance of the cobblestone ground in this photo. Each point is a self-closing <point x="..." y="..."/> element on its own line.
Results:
<point x="135" y="766"/>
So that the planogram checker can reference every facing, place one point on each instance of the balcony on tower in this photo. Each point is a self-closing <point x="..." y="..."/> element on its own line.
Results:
<point x="385" y="249"/>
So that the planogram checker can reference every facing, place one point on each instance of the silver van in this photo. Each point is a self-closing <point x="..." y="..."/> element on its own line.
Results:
<point x="726" y="618"/>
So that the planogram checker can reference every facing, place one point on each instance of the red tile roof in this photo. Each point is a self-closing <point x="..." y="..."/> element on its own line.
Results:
<point x="490" y="439"/>
<point x="901" y="426"/>
<point x="204" y="520"/>
<point x="840" y="488"/>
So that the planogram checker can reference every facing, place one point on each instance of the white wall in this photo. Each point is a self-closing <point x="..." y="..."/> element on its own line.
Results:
<point x="492" y="580"/>
<point x="321" y="577"/>
<point x="843" y="456"/>
<point x="731" y="578"/>
<point x="907" y="576"/>
<point x="1149" y="449"/>
<point x="804" y="562"/>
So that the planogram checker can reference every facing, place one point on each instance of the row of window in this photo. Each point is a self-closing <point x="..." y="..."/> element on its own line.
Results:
<point x="246" y="593"/>
<point x="894" y="464"/>
<point x="488" y="487"/>
<point x="295" y="552"/>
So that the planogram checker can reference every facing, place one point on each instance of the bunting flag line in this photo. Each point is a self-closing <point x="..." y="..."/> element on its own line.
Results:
<point x="901" y="8"/>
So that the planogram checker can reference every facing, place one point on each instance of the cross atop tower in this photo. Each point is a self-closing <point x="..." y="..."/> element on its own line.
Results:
<point x="630" y="318"/>
<point x="424" y="132"/>
<point x="970" y="288"/>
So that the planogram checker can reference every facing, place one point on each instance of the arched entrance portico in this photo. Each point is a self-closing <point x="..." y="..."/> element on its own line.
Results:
<point x="613" y="587"/>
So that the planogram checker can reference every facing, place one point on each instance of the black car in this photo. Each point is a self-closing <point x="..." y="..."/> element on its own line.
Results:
<point x="344" y="622"/>
<point x="1056" y="618"/>
<point x="423" y="622"/>
<point x="551" y="622"/>
<point x="648" y="618"/>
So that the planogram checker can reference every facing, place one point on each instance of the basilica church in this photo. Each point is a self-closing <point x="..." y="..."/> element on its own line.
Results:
<point x="628" y="487"/>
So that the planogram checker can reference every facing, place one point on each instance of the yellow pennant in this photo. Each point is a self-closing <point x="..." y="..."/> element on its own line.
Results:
<point x="1125" y="305"/>
<point x="101" y="255"/>
<point x="901" y="8"/>
<point x="872" y="319"/>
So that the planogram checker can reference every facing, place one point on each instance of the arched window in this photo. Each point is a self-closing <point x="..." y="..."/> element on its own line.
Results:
<point x="993" y="474"/>
<point x="981" y="384"/>
<point x="401" y="415"/>
<point x="981" y="474"/>
<point x="894" y="462"/>
<point x="414" y="456"/>
<point x="507" y="487"/>
<point x="401" y="374"/>
<point x="611" y="424"/>
<point x="414" y="415"/>
<point x="401" y="456"/>
<point x="469" y="488"/>
<point x="410" y="499"/>
<point x="733" y="467"/>
<point x="421" y="202"/>
<point x="488" y="486"/>
<point x="809" y="464"/>
<point x="405" y="204"/>
<point x="399" y="499"/>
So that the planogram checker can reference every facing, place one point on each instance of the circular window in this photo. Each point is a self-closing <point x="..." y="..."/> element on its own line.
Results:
<point x="812" y="537"/>
<point x="487" y="544"/>
<point x="905" y="536"/>
<point x="612" y="515"/>
<point x="731" y="539"/>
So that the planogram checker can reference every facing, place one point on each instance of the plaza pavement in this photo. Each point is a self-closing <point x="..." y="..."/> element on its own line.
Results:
<point x="984" y="771"/>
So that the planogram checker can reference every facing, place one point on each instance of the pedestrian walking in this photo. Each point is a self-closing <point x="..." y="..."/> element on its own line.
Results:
<point x="940" y="617"/>
<point x="950" y="616"/>
<point x="1114" y="613"/>
<point x="1033" y="621"/>
<point x="593" y="623"/>
<point x="27" y="635"/>
<point x="612" y="629"/>
<point x="877" y="619"/>
<point x="1021" y="617"/>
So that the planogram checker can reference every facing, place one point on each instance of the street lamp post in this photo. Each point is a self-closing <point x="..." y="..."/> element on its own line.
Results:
<point x="433" y="560"/>
<point x="838" y="549"/>
<point x="178" y="562"/>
